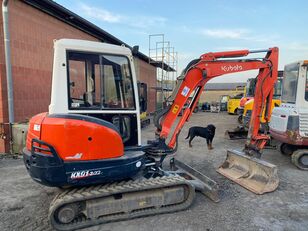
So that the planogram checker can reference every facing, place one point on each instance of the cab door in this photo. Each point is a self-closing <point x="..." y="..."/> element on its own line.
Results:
<point x="104" y="86"/>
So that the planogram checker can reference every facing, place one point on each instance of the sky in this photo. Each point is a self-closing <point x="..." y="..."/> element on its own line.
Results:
<point x="196" y="27"/>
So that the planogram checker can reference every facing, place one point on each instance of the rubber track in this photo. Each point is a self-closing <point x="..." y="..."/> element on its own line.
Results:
<point x="93" y="192"/>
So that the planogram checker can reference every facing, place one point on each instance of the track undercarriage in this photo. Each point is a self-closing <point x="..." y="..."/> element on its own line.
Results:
<point x="163" y="192"/>
<point x="87" y="206"/>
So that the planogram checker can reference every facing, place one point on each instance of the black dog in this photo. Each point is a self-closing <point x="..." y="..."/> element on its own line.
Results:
<point x="206" y="132"/>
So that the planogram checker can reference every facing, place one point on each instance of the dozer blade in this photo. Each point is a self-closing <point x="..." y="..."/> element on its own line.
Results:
<point x="236" y="134"/>
<point x="253" y="174"/>
<point x="202" y="183"/>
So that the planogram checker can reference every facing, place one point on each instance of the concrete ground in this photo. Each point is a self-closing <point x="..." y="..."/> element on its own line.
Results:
<point x="24" y="203"/>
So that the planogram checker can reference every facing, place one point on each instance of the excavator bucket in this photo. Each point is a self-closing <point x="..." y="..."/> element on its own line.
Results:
<point x="253" y="174"/>
<point x="238" y="133"/>
<point x="202" y="183"/>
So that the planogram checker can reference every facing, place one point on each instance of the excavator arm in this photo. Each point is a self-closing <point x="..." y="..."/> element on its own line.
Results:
<point x="212" y="65"/>
<point x="244" y="168"/>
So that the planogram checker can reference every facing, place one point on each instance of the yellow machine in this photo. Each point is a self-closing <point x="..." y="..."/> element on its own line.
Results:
<point x="234" y="103"/>
<point x="276" y="101"/>
<point x="248" y="110"/>
<point x="240" y="132"/>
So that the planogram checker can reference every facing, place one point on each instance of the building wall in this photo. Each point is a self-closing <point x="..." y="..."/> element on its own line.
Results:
<point x="147" y="74"/>
<point x="214" y="95"/>
<point x="32" y="33"/>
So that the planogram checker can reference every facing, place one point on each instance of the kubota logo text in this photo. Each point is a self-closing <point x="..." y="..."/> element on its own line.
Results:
<point x="83" y="174"/>
<point x="232" y="68"/>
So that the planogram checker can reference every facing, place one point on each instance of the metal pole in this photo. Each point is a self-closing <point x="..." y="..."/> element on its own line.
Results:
<point x="162" y="74"/>
<point x="8" y="60"/>
<point x="7" y="50"/>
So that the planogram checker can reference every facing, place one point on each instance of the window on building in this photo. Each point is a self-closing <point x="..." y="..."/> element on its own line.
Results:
<point x="99" y="82"/>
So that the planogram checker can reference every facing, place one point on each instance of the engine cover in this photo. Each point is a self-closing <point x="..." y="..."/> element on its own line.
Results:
<point x="77" y="150"/>
<point x="77" y="137"/>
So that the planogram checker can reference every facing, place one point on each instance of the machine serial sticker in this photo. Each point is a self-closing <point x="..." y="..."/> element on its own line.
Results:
<point x="175" y="109"/>
<point x="84" y="174"/>
<point x="185" y="91"/>
<point x="36" y="127"/>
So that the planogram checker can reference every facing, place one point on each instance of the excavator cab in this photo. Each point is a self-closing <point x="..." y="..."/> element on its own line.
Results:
<point x="289" y="121"/>
<point x="93" y="118"/>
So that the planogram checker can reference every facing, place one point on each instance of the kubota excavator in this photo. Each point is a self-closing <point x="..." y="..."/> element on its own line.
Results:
<point x="89" y="143"/>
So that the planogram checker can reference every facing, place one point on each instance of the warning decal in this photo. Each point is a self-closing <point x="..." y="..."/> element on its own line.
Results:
<point x="175" y="109"/>
<point x="185" y="91"/>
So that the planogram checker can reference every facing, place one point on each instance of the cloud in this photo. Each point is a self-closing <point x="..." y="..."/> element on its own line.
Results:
<point x="238" y="34"/>
<point x="145" y="21"/>
<point x="100" y="14"/>
<point x="296" y="46"/>
<point x="225" y="33"/>
<point x="187" y="55"/>
<point x="230" y="48"/>
<point x="136" y="21"/>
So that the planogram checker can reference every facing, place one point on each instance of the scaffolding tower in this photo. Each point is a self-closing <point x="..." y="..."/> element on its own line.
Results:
<point x="163" y="56"/>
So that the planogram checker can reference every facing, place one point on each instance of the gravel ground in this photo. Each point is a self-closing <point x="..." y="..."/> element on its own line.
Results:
<point x="24" y="203"/>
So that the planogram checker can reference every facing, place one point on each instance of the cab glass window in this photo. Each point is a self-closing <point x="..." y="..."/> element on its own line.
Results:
<point x="289" y="83"/>
<point x="277" y="89"/>
<point x="98" y="81"/>
<point x="117" y="82"/>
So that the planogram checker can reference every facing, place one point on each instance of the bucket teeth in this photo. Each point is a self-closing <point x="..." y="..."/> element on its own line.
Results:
<point x="253" y="174"/>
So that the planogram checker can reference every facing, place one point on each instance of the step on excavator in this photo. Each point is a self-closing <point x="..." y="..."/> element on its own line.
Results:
<point x="89" y="143"/>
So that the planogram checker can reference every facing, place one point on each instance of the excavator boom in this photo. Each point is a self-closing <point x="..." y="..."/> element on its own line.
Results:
<point x="196" y="75"/>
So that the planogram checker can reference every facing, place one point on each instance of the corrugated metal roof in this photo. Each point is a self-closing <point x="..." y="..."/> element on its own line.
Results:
<point x="56" y="10"/>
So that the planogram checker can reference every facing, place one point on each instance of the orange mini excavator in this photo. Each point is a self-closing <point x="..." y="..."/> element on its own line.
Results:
<point x="89" y="143"/>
